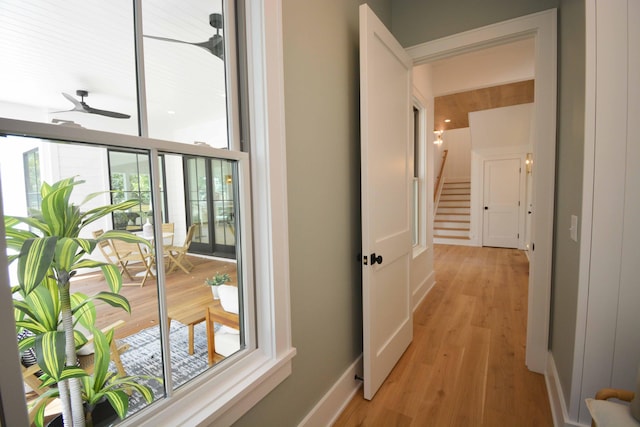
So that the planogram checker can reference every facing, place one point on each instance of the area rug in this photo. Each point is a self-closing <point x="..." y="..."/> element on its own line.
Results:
<point x="144" y="358"/>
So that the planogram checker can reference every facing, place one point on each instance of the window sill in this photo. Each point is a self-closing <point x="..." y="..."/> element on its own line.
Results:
<point x="220" y="398"/>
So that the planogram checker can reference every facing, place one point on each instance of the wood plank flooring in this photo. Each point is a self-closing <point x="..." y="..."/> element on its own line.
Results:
<point x="181" y="289"/>
<point x="466" y="365"/>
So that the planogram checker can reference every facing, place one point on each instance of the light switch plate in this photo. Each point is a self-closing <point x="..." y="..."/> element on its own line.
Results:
<point x="573" y="230"/>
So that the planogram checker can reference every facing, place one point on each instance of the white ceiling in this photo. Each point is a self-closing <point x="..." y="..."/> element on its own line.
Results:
<point x="51" y="47"/>
<point x="497" y="65"/>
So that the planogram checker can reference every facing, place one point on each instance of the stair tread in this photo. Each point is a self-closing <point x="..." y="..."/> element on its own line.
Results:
<point x="457" y="221"/>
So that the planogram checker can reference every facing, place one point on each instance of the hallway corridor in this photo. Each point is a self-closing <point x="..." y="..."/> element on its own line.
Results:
<point x="466" y="365"/>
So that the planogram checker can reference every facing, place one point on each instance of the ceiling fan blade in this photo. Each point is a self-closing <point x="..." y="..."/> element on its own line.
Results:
<point x="77" y="105"/>
<point x="82" y="107"/>
<point x="214" y="45"/>
<point x="169" y="40"/>
<point x="106" y="113"/>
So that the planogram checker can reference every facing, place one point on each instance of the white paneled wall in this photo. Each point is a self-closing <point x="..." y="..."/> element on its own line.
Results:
<point x="607" y="339"/>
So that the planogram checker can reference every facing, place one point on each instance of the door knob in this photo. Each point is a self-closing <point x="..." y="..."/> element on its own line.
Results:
<point x="486" y="208"/>
<point x="375" y="259"/>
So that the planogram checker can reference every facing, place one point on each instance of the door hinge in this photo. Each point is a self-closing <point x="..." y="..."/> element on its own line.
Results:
<point x="518" y="203"/>
<point x="518" y="235"/>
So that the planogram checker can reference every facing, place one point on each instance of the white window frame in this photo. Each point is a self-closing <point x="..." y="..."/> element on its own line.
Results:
<point x="247" y="380"/>
<point x="419" y="103"/>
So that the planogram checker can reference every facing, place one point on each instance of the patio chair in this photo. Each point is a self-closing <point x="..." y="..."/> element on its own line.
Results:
<point x="178" y="254"/>
<point x="109" y="253"/>
<point x="132" y="254"/>
<point x="86" y="360"/>
<point x="168" y="229"/>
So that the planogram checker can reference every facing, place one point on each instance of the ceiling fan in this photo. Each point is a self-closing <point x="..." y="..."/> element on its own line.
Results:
<point x="214" y="45"/>
<point x="82" y="106"/>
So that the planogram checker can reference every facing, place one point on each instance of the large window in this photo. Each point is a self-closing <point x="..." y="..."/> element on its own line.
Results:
<point x="178" y="331"/>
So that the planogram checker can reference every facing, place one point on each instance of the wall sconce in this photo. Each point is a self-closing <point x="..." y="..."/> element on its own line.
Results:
<point x="438" y="134"/>
<point x="529" y="162"/>
<point x="228" y="179"/>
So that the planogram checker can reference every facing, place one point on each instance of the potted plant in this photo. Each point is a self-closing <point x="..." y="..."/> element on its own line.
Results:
<point x="215" y="281"/>
<point x="43" y="304"/>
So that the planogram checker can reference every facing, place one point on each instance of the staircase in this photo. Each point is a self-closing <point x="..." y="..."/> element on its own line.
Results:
<point x="452" y="220"/>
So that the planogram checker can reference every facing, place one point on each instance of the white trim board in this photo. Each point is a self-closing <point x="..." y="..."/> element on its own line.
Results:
<point x="556" y="397"/>
<point x="542" y="26"/>
<point x="336" y="399"/>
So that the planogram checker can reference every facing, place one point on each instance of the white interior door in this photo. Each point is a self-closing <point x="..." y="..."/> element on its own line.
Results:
<point x="501" y="219"/>
<point x="385" y="83"/>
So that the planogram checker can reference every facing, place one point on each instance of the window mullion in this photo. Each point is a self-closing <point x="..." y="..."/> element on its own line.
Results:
<point x="160" y="273"/>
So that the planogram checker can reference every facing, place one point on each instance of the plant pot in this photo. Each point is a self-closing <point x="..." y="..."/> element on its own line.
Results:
<point x="103" y="415"/>
<point x="214" y="292"/>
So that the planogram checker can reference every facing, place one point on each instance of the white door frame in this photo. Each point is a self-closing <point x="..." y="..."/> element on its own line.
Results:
<point x="542" y="26"/>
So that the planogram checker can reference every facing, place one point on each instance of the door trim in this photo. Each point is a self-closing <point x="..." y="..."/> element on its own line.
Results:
<point x="543" y="27"/>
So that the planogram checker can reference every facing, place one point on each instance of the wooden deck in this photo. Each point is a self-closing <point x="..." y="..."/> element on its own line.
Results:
<point x="181" y="290"/>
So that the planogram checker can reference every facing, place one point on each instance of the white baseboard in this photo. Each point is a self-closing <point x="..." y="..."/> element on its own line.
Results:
<point x="556" y="397"/>
<point x="423" y="290"/>
<point x="337" y="398"/>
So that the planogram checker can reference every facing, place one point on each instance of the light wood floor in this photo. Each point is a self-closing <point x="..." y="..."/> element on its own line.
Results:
<point x="466" y="365"/>
<point x="181" y="289"/>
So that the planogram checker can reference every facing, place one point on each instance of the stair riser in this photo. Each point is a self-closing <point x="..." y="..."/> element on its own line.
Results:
<point x="451" y="224"/>
<point x="454" y="204"/>
<point x="442" y="210"/>
<point x="450" y="239"/>
<point x="452" y="192"/>
<point x="450" y="233"/>
<point x="452" y="217"/>
<point x="457" y="185"/>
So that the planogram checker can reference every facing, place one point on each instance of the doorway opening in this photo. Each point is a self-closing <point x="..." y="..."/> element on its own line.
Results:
<point x="542" y="28"/>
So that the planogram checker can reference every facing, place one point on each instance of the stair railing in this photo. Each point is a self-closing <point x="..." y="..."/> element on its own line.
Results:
<point x="439" y="181"/>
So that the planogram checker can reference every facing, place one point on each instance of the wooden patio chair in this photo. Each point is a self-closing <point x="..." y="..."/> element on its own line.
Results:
<point x="109" y="253"/>
<point x="133" y="253"/>
<point x="85" y="360"/>
<point x="178" y="254"/>
<point x="168" y="228"/>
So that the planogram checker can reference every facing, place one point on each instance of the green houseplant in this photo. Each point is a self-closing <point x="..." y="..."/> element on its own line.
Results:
<point x="43" y="304"/>
<point x="215" y="281"/>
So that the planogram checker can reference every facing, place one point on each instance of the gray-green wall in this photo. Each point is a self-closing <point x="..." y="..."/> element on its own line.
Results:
<point x="569" y="168"/>
<point x="322" y="123"/>
<point x="418" y="21"/>
<point x="323" y="159"/>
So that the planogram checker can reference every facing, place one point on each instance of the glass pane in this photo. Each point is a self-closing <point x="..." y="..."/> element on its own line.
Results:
<point x="415" y="216"/>
<point x="138" y="341"/>
<point x="223" y="177"/>
<point x="193" y="280"/>
<point x="186" y="96"/>
<point x="131" y="180"/>
<point x="50" y="49"/>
